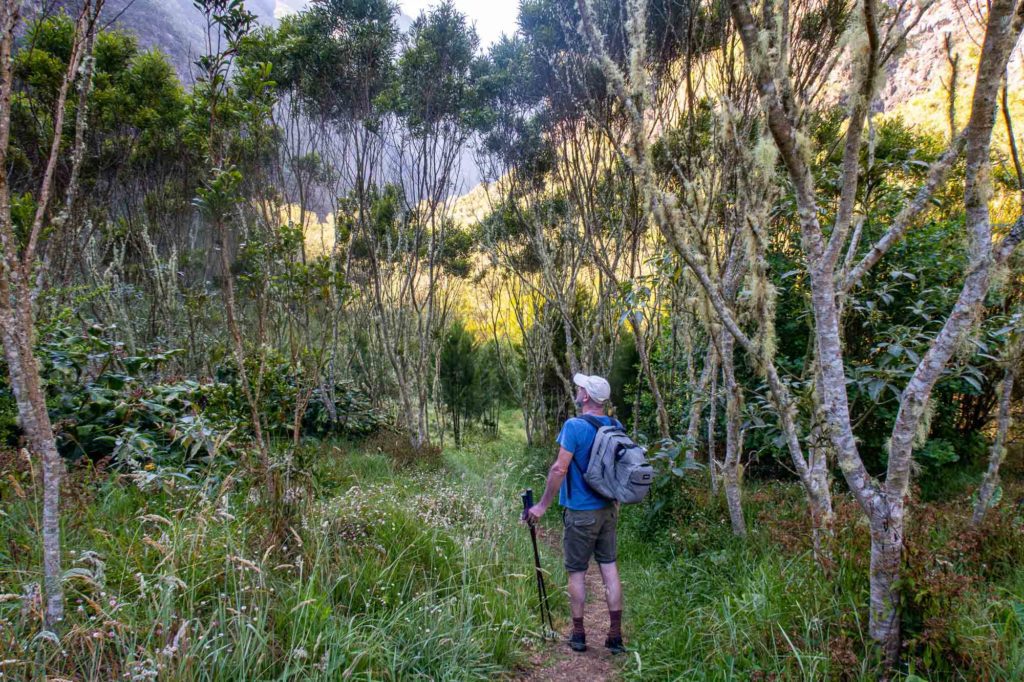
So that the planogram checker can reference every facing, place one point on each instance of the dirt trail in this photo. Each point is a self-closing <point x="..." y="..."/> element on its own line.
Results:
<point x="554" y="660"/>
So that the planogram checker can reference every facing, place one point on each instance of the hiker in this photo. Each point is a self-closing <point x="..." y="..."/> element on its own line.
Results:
<point x="588" y="519"/>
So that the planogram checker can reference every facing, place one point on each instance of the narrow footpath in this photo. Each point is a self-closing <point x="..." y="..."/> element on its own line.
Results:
<point x="554" y="660"/>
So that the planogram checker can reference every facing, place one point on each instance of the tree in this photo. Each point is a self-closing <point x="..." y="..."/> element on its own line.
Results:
<point x="20" y="262"/>
<point x="884" y="504"/>
<point x="235" y="113"/>
<point x="459" y="385"/>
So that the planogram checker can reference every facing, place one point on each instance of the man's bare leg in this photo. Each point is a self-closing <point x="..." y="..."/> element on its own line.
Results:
<point x="577" y="593"/>
<point x="613" y="595"/>
<point x="612" y="586"/>
<point x="577" y="600"/>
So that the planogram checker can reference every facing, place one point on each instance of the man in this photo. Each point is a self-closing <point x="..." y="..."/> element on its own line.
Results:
<point x="588" y="519"/>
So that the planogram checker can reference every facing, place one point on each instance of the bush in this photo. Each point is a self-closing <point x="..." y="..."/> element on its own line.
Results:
<point x="105" y="402"/>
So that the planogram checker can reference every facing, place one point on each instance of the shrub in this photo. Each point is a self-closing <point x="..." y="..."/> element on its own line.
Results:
<point x="105" y="402"/>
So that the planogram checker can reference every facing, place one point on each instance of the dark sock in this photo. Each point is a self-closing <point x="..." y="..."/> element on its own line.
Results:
<point x="615" y="626"/>
<point x="577" y="626"/>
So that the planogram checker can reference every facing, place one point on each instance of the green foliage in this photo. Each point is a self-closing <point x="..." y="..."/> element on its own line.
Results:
<point x="458" y="376"/>
<point x="337" y="57"/>
<point x="937" y="452"/>
<point x="283" y="384"/>
<point x="105" y="402"/>
<point x="435" y="84"/>
<point x="471" y="387"/>
<point x="947" y="574"/>
<point x="135" y="131"/>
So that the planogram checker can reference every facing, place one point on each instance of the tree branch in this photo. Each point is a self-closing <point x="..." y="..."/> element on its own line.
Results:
<point x="937" y="175"/>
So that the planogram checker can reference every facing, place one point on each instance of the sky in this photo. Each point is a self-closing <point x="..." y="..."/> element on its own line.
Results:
<point x="491" y="17"/>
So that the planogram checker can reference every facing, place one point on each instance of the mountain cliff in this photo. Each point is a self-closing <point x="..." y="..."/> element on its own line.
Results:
<point x="177" y="28"/>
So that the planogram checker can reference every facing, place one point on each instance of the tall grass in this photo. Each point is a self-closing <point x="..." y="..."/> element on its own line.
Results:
<point x="382" y="574"/>
<point x="389" y="572"/>
<point x="703" y="605"/>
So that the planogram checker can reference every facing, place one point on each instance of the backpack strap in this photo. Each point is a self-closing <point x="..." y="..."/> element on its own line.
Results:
<point x="596" y="423"/>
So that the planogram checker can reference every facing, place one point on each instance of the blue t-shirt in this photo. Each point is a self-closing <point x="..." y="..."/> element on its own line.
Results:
<point x="577" y="436"/>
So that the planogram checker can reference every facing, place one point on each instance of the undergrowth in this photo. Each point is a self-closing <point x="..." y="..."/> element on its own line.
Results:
<point x="381" y="575"/>
<point x="704" y="605"/>
<point x="392" y="569"/>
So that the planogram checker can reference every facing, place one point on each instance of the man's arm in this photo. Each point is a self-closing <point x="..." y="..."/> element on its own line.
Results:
<point x="556" y="474"/>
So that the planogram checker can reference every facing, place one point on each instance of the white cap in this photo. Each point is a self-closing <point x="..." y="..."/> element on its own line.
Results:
<point x="596" y="387"/>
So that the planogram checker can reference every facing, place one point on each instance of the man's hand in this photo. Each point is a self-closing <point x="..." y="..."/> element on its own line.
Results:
<point x="534" y="513"/>
<point x="556" y="474"/>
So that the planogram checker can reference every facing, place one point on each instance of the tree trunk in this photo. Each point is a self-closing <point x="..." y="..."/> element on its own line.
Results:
<point x="819" y="498"/>
<point x="699" y="399"/>
<point x="990" y="482"/>
<point x="712" y="424"/>
<point x="819" y="493"/>
<point x="238" y="346"/>
<point x="733" y="437"/>
<point x="886" y="556"/>
<point x="16" y="326"/>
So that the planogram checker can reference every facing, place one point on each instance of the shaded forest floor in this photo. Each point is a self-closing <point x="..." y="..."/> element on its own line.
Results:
<point x="375" y="569"/>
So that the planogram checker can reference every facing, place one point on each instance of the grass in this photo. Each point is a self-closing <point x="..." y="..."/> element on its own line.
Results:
<point x="703" y="605"/>
<point x="381" y="574"/>
<point x="387" y="572"/>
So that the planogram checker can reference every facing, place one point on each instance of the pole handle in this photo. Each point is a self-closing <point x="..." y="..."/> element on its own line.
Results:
<point x="527" y="500"/>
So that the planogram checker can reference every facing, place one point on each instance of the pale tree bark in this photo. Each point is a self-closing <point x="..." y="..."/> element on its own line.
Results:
<point x="17" y="317"/>
<point x="819" y="497"/>
<point x="733" y="436"/>
<point x="713" y="464"/>
<point x="698" y="402"/>
<point x="990" y="482"/>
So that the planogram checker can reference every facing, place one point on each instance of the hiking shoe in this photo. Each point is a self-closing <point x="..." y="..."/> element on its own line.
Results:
<point x="615" y="645"/>
<point x="578" y="642"/>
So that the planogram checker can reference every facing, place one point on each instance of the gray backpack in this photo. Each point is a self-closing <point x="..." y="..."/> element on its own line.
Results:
<point x="618" y="468"/>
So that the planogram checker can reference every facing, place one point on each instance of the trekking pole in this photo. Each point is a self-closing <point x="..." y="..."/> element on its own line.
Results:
<point x="542" y="590"/>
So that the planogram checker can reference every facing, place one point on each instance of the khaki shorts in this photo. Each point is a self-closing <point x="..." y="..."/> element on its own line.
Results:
<point x="589" y="533"/>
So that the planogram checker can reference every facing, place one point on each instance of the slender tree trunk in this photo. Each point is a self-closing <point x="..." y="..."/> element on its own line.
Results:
<point x="238" y="346"/>
<point x="990" y="482"/>
<point x="713" y="467"/>
<point x="664" y="425"/>
<point x="698" y="401"/>
<point x="16" y="326"/>
<point x="733" y="437"/>
<point x="819" y="493"/>
<point x="819" y="498"/>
